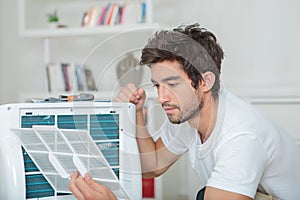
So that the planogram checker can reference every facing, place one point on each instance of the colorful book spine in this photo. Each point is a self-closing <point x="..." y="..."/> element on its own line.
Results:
<point x="115" y="14"/>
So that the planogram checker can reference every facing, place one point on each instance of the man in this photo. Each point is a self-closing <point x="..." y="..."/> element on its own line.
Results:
<point x="232" y="147"/>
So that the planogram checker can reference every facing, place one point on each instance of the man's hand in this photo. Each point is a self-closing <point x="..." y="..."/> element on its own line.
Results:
<point x="85" y="188"/>
<point x="131" y="94"/>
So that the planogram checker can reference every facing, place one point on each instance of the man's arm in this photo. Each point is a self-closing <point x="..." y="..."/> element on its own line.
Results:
<point x="155" y="157"/>
<point x="212" y="193"/>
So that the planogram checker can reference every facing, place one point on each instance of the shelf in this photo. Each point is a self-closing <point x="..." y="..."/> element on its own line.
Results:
<point x="276" y="100"/>
<point x="99" y="95"/>
<point x="33" y="22"/>
<point x="86" y="31"/>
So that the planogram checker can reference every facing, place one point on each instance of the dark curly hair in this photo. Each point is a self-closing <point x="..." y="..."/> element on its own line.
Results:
<point x="195" y="48"/>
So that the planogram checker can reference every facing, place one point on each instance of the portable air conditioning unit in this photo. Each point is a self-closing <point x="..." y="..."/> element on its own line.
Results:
<point x="28" y="171"/>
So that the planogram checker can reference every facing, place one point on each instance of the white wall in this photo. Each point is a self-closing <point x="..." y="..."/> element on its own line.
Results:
<point x="260" y="39"/>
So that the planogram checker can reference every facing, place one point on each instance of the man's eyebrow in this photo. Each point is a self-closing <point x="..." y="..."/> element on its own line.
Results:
<point x="170" y="78"/>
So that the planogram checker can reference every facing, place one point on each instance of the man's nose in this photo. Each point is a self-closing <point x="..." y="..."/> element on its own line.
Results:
<point x="163" y="94"/>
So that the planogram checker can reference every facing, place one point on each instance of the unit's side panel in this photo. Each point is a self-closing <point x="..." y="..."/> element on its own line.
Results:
<point x="130" y="178"/>
<point x="12" y="182"/>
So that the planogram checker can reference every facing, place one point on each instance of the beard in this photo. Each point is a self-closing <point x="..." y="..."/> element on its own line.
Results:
<point x="186" y="112"/>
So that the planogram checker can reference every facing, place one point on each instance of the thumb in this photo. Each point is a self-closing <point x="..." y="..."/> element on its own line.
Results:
<point x="141" y="91"/>
<point x="87" y="176"/>
<point x="101" y="189"/>
<point x="91" y="182"/>
<point x="88" y="179"/>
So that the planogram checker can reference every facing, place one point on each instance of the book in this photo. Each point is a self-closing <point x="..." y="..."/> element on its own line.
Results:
<point x="86" y="18"/>
<point x="95" y="14"/>
<point x="90" y="80"/>
<point x="118" y="17"/>
<point x="55" y="78"/>
<point x="81" y="78"/>
<point x="64" y="69"/>
<point x="72" y="77"/>
<point x="110" y="13"/>
<point x="142" y="13"/>
<point x="114" y="15"/>
<point x="85" y="79"/>
<point x="69" y="75"/>
<point x="130" y="13"/>
<point x="106" y="14"/>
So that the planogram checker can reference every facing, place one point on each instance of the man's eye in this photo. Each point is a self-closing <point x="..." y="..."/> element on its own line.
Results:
<point x="172" y="84"/>
<point x="155" y="85"/>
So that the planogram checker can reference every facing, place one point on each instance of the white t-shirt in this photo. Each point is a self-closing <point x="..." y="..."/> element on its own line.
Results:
<point x="244" y="153"/>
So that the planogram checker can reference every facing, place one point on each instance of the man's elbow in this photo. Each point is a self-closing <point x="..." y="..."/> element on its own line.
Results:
<point x="153" y="173"/>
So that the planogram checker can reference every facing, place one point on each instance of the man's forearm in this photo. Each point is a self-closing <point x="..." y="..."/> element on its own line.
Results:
<point x="155" y="157"/>
<point x="146" y="144"/>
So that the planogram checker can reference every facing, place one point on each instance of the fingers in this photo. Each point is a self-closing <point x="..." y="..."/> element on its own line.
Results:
<point x="126" y="93"/>
<point x="102" y="191"/>
<point x="130" y="93"/>
<point x="82" y="189"/>
<point x="141" y="92"/>
<point x="73" y="188"/>
<point x="87" y="176"/>
<point x="85" y="188"/>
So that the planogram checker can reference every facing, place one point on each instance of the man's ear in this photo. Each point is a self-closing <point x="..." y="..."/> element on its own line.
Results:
<point x="208" y="80"/>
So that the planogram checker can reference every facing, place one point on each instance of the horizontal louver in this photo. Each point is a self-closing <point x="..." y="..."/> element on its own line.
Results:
<point x="37" y="186"/>
<point x="72" y="122"/>
<point x="104" y="127"/>
<point x="29" y="121"/>
<point x="28" y="163"/>
<point x="110" y="151"/>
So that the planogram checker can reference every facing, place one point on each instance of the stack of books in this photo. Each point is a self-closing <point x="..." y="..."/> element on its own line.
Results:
<point x="65" y="77"/>
<point x="115" y="14"/>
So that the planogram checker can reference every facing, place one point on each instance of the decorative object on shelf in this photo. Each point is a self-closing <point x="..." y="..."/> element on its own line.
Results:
<point x="53" y="19"/>
<point x="129" y="70"/>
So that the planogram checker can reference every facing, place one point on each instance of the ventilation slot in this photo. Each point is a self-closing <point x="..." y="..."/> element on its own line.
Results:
<point x="72" y="122"/>
<point x="104" y="129"/>
<point x="36" y="185"/>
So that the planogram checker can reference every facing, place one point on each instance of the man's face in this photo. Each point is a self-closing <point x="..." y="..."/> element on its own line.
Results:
<point x="179" y="99"/>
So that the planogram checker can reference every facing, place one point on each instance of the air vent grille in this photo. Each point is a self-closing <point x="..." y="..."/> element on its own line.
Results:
<point x="104" y="129"/>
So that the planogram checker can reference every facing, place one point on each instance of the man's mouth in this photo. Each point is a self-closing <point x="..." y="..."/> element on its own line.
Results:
<point x="169" y="109"/>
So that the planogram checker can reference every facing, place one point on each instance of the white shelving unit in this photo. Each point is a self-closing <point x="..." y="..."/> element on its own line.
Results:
<point x="33" y="21"/>
<point x="81" y="31"/>
<point x="33" y="17"/>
